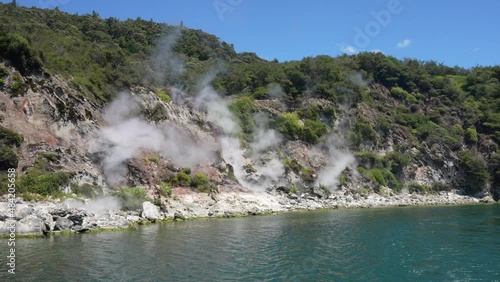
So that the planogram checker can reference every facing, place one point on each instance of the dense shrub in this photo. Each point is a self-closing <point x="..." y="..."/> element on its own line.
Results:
<point x="166" y="189"/>
<point x="10" y="137"/>
<point x="368" y="159"/>
<point x="164" y="96"/>
<point x="397" y="161"/>
<point x="86" y="190"/>
<point x="182" y="179"/>
<point x="289" y="125"/>
<point x="16" y="49"/>
<point x="3" y="71"/>
<point x="43" y="182"/>
<point x="8" y="158"/>
<point x="362" y="132"/>
<point x="311" y="111"/>
<point x="382" y="176"/>
<point x="307" y="174"/>
<point x="243" y="109"/>
<point x="201" y="182"/>
<point x="475" y="170"/>
<point x="418" y="188"/>
<point x="17" y="86"/>
<point x="440" y="187"/>
<point x="399" y="93"/>
<point x="432" y="133"/>
<point x="131" y="197"/>
<point x="292" y="165"/>
<point x="470" y="136"/>
<point x="313" y="130"/>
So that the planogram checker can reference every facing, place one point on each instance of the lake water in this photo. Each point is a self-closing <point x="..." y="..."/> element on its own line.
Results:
<point x="459" y="243"/>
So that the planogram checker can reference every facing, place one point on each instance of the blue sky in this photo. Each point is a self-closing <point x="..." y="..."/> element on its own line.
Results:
<point x="453" y="32"/>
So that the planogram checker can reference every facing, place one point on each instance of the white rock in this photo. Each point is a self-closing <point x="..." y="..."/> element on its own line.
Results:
<point x="150" y="211"/>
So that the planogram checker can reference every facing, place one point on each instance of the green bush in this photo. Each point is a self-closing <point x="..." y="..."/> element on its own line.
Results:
<point x="369" y="159"/>
<point x="17" y="85"/>
<point x="418" y="188"/>
<point x="48" y="156"/>
<point x="311" y="111"/>
<point x="164" y="96"/>
<point x="440" y="187"/>
<point x="325" y="190"/>
<point x="432" y="133"/>
<point x="3" y="71"/>
<point x="166" y="189"/>
<point x="328" y="114"/>
<point x="294" y="189"/>
<point x="243" y="109"/>
<point x="86" y="190"/>
<point x="201" y="182"/>
<point x="18" y="51"/>
<point x="470" y="136"/>
<point x="475" y="171"/>
<point x="187" y="170"/>
<point x="10" y="137"/>
<point x="362" y="132"/>
<point x="399" y="93"/>
<point x="43" y="182"/>
<point x="307" y="174"/>
<point x="412" y="120"/>
<point x="382" y="176"/>
<point x="182" y="179"/>
<point x="343" y="180"/>
<point x="289" y="125"/>
<point x="397" y="161"/>
<point x="8" y="158"/>
<point x="131" y="197"/>
<point x="292" y="164"/>
<point x="154" y="159"/>
<point x="313" y="130"/>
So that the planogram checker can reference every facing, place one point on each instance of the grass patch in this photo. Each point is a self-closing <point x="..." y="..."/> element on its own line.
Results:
<point x="164" y="96"/>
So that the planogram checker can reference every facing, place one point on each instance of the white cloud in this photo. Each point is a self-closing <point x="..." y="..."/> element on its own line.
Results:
<point x="376" y="51"/>
<point x="405" y="43"/>
<point x="349" y="50"/>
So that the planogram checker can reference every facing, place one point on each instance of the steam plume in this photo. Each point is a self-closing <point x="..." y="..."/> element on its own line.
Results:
<point x="127" y="134"/>
<point x="339" y="158"/>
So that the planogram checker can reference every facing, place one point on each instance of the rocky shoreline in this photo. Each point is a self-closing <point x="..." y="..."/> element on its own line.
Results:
<point x="46" y="217"/>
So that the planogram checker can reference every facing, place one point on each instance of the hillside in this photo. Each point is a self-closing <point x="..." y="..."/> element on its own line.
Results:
<point x="144" y="110"/>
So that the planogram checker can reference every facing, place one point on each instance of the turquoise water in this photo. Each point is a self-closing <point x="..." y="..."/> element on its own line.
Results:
<point x="397" y="244"/>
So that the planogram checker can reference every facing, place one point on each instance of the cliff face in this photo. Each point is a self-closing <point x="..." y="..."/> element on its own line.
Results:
<point x="66" y="132"/>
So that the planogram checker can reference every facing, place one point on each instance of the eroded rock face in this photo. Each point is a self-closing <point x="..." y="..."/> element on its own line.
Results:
<point x="63" y="223"/>
<point x="150" y="211"/>
<point x="31" y="224"/>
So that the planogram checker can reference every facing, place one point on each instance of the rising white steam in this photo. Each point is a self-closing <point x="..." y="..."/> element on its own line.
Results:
<point x="357" y="79"/>
<point x="102" y="204"/>
<point x="107" y="203"/>
<point x="217" y="109"/>
<point x="164" y="64"/>
<point x="275" y="91"/>
<point x="264" y="138"/>
<point x="251" y="173"/>
<point x="339" y="158"/>
<point x="127" y="134"/>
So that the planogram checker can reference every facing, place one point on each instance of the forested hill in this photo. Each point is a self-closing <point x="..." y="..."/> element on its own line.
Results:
<point x="402" y="114"/>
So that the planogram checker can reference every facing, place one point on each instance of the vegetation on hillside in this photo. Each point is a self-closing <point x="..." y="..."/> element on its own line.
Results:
<point x="440" y="111"/>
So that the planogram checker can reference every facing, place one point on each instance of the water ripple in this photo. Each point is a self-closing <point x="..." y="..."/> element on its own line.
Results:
<point x="417" y="244"/>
